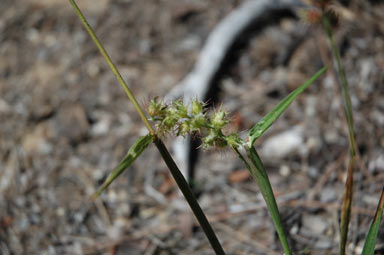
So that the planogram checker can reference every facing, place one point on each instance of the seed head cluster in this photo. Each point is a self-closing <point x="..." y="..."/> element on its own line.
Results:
<point x="181" y="119"/>
<point x="316" y="9"/>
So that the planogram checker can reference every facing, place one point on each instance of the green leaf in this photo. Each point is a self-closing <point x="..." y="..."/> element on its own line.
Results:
<point x="370" y="241"/>
<point x="257" y="170"/>
<point x="268" y="119"/>
<point x="133" y="153"/>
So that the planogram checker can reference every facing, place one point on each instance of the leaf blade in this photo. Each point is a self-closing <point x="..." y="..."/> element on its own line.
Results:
<point x="259" y="174"/>
<point x="133" y="153"/>
<point x="273" y="115"/>
<point x="370" y="240"/>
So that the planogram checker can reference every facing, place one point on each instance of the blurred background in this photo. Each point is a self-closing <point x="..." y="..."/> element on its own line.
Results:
<point x="65" y="123"/>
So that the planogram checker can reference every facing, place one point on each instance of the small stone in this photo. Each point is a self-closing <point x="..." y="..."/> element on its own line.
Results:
<point x="284" y="170"/>
<point x="331" y="136"/>
<point x="102" y="126"/>
<point x="294" y="230"/>
<point x="115" y="232"/>
<point x="323" y="244"/>
<point x="98" y="174"/>
<point x="376" y="164"/>
<point x="191" y="42"/>
<point x="328" y="194"/>
<point x="112" y="196"/>
<point x="313" y="172"/>
<point x="313" y="144"/>
<point x="124" y="209"/>
<point x="60" y="212"/>
<point x="283" y="144"/>
<point x="315" y="224"/>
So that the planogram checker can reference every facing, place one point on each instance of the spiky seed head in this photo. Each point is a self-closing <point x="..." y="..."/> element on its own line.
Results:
<point x="311" y="16"/>
<point x="182" y="120"/>
<point x="234" y="141"/>
<point x="157" y="109"/>
<point x="198" y="122"/>
<point x="218" y="120"/>
<point x="197" y="107"/>
<point x="180" y="109"/>
<point x="168" y="123"/>
<point x="221" y="142"/>
<point x="209" y="140"/>
<point x="184" y="128"/>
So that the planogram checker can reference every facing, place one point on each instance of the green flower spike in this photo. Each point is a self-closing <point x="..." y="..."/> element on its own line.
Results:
<point x="157" y="109"/>
<point x="198" y="122"/>
<point x="234" y="141"/>
<point x="218" y="120"/>
<point x="197" y="107"/>
<point x="168" y="124"/>
<point x="209" y="140"/>
<point x="180" y="109"/>
<point x="184" y="128"/>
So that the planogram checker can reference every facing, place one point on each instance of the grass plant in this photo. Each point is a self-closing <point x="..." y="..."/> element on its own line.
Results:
<point x="323" y="13"/>
<point x="183" y="120"/>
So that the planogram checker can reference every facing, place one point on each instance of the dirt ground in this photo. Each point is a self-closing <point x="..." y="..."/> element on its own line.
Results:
<point x="65" y="124"/>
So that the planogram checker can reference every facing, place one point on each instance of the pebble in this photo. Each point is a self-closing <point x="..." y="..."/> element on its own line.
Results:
<point x="191" y="42"/>
<point x="314" y="223"/>
<point x="377" y="163"/>
<point x="284" y="170"/>
<point x="328" y="194"/>
<point x="313" y="172"/>
<point x="281" y="145"/>
<point x="102" y="126"/>
<point x="323" y="244"/>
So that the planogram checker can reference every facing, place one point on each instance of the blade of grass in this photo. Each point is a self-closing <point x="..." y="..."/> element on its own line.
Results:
<point x="257" y="170"/>
<point x="268" y="119"/>
<point x="133" y="153"/>
<point x="347" y="203"/>
<point x="269" y="197"/>
<point x="201" y="218"/>
<point x="370" y="240"/>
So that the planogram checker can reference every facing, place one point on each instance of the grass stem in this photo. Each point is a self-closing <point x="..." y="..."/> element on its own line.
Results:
<point x="188" y="194"/>
<point x="344" y="84"/>
<point x="112" y="66"/>
<point x="347" y="204"/>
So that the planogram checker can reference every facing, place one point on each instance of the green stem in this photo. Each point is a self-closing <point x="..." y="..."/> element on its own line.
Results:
<point x="187" y="192"/>
<point x="347" y="204"/>
<point x="344" y="84"/>
<point x="112" y="66"/>
<point x="177" y="175"/>
<point x="259" y="174"/>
